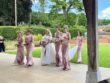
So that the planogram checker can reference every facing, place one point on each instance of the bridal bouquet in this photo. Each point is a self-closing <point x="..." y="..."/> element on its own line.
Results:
<point x="25" y="44"/>
<point x="43" y="43"/>
<point x="16" y="45"/>
<point x="55" y="40"/>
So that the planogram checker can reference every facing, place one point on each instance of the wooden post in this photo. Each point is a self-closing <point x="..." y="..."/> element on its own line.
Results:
<point x="91" y="7"/>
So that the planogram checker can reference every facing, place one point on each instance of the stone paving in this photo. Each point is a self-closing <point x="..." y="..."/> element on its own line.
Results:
<point x="10" y="73"/>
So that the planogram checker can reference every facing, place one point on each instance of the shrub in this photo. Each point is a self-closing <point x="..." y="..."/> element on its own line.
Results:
<point x="37" y="37"/>
<point x="8" y="33"/>
<point x="10" y="45"/>
<point x="37" y="31"/>
<point x="74" y="31"/>
<point x="107" y="30"/>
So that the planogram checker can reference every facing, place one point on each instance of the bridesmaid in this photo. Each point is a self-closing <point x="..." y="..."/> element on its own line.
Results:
<point x="29" y="48"/>
<point x="65" y="48"/>
<point x="79" y="44"/>
<point x="20" y="50"/>
<point x="58" y="45"/>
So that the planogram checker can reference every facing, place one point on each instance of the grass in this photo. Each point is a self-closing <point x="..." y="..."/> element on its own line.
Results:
<point x="36" y="52"/>
<point x="104" y="55"/>
<point x="10" y="45"/>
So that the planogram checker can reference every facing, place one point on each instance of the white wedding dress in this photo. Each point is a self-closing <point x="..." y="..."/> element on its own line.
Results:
<point x="49" y="56"/>
<point x="52" y="53"/>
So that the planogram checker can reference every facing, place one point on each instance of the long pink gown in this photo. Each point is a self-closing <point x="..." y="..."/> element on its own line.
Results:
<point x="79" y="44"/>
<point x="65" y="50"/>
<point x="58" y="46"/>
<point x="29" y="49"/>
<point x="20" y="52"/>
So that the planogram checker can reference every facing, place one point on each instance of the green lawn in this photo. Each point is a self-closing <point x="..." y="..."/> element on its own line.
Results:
<point x="104" y="54"/>
<point x="36" y="52"/>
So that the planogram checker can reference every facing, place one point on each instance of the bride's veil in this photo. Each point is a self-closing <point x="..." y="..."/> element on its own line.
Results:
<point x="50" y="33"/>
<point x="52" y="49"/>
<point x="72" y="52"/>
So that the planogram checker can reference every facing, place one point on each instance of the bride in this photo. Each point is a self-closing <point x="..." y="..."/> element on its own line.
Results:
<point x="48" y="49"/>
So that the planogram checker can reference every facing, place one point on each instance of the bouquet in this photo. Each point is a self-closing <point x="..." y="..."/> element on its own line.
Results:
<point x="43" y="43"/>
<point x="55" y="40"/>
<point x="25" y="44"/>
<point x="17" y="45"/>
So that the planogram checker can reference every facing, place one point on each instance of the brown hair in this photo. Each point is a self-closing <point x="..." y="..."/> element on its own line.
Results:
<point x="80" y="33"/>
<point x="65" y="26"/>
<point x="46" y="31"/>
<point x="19" y="33"/>
<point x="58" y="27"/>
<point x="29" y="30"/>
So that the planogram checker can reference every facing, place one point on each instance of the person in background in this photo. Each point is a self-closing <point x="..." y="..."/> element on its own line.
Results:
<point x="58" y="45"/>
<point x="29" y="47"/>
<point x="65" y="48"/>
<point x="79" y="44"/>
<point x="2" y="45"/>
<point x="20" y="50"/>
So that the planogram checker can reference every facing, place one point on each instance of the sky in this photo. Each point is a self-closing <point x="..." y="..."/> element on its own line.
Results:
<point x="103" y="8"/>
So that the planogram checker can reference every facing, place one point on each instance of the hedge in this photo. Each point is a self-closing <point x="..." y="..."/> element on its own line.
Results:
<point x="10" y="32"/>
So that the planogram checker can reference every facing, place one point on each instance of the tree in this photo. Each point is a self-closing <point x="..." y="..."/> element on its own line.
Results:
<point x="61" y="12"/>
<point x="82" y="21"/>
<point x="7" y="13"/>
<point x="24" y="9"/>
<point x="66" y="6"/>
<point x="38" y="17"/>
<point x="103" y="22"/>
<point x="42" y="5"/>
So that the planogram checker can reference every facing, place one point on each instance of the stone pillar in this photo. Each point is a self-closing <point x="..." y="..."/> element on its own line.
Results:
<point x="93" y="74"/>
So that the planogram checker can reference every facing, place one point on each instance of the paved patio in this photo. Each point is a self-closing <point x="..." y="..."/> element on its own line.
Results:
<point x="10" y="73"/>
